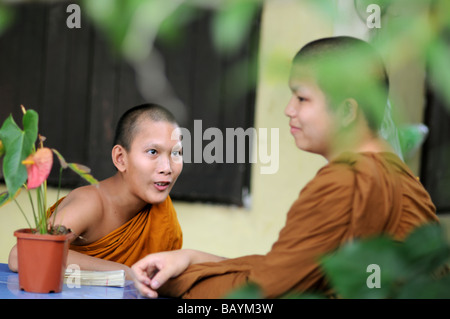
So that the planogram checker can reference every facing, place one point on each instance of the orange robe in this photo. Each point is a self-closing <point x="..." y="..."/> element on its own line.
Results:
<point x="354" y="196"/>
<point x="152" y="230"/>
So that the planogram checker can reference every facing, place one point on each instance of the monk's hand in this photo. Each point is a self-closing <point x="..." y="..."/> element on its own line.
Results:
<point x="154" y="270"/>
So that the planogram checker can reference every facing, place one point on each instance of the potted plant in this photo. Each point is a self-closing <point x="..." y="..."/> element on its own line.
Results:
<point x="42" y="249"/>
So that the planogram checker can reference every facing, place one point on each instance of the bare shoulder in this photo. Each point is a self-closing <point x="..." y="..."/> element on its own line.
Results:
<point x="87" y="197"/>
<point x="81" y="208"/>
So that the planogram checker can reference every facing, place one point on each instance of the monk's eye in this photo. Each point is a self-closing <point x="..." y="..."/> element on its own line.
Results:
<point x="177" y="153"/>
<point x="152" y="152"/>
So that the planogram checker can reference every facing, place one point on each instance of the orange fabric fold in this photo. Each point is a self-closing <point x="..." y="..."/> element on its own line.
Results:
<point x="154" y="229"/>
<point x="354" y="196"/>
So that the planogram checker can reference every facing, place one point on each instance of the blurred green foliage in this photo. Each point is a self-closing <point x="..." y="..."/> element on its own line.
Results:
<point x="231" y="24"/>
<point x="250" y="291"/>
<point x="417" y="268"/>
<point x="416" y="28"/>
<point x="132" y="26"/>
<point x="6" y="17"/>
<point x="410" y="269"/>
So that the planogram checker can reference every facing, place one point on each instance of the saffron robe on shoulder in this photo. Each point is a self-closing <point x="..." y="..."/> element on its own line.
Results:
<point x="354" y="196"/>
<point x="152" y="230"/>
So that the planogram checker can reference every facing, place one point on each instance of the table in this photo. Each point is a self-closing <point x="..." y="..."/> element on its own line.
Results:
<point x="9" y="289"/>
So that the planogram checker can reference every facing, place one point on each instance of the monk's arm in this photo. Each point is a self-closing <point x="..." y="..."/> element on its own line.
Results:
<point x="12" y="259"/>
<point x="197" y="257"/>
<point x="86" y="262"/>
<point x="154" y="270"/>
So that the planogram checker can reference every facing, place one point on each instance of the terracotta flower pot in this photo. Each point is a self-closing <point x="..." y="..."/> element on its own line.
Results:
<point x="41" y="261"/>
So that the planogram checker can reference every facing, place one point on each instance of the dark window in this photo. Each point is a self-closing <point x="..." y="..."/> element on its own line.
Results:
<point x="80" y="88"/>
<point x="435" y="172"/>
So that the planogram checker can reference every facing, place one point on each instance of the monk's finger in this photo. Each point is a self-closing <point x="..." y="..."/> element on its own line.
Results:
<point x="140" y="273"/>
<point x="142" y="278"/>
<point x="142" y="281"/>
<point x="161" y="277"/>
<point x="144" y="290"/>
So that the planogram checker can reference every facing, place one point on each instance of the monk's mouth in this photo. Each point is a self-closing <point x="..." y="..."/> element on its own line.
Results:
<point x="161" y="186"/>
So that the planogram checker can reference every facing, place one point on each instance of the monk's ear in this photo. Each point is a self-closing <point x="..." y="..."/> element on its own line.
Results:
<point x="348" y="112"/>
<point x="119" y="157"/>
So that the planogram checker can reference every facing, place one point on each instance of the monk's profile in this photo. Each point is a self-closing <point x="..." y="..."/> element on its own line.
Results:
<point x="130" y="214"/>
<point x="339" y="92"/>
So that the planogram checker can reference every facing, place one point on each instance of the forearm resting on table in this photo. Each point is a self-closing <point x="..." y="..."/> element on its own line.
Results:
<point x="12" y="259"/>
<point x="86" y="262"/>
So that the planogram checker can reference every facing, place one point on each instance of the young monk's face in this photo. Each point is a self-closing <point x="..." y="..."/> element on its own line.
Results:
<point x="154" y="161"/>
<point x="312" y="123"/>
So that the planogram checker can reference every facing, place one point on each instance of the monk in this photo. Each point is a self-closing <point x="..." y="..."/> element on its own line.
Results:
<point x="129" y="215"/>
<point x="338" y="85"/>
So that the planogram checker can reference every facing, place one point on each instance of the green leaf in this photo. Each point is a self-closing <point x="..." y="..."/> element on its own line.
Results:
<point x="408" y="269"/>
<point x="4" y="198"/>
<point x="2" y="149"/>
<point x="232" y="23"/>
<point x="18" y="145"/>
<point x="130" y="26"/>
<point x="250" y="291"/>
<point x="144" y="26"/>
<point x="425" y="287"/>
<point x="305" y="295"/>
<point x="426" y="248"/>
<point x="439" y="63"/>
<point x="61" y="159"/>
<point x="83" y="171"/>
<point x="112" y="17"/>
<point x="411" y="138"/>
<point x="6" y="17"/>
<point x="348" y="268"/>
<point x="172" y="29"/>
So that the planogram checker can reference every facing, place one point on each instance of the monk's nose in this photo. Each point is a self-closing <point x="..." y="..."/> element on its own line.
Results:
<point x="164" y="166"/>
<point x="289" y="111"/>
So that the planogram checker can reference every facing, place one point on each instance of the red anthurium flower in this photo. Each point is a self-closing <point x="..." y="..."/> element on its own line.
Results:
<point x="38" y="166"/>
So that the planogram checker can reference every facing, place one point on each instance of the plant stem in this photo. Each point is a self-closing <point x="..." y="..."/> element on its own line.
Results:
<point x="44" y="186"/>
<point x="44" y="200"/>
<point x="23" y="213"/>
<point x="44" y="208"/>
<point x="40" y="203"/>
<point x="57" y="196"/>
<point x="32" y="207"/>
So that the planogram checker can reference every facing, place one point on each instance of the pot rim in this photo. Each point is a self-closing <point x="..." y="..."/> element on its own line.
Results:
<point x="26" y="233"/>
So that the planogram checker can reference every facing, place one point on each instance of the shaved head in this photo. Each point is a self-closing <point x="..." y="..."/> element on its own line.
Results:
<point x="129" y="122"/>
<point x="346" y="67"/>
